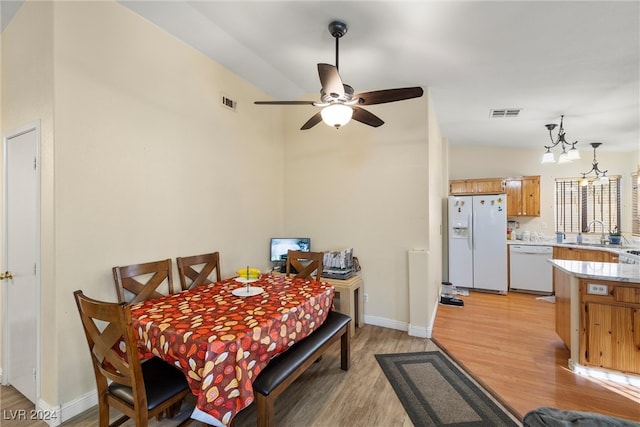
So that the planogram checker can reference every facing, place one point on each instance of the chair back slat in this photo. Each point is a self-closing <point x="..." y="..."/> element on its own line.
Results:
<point x="190" y="277"/>
<point x="304" y="270"/>
<point x="115" y="321"/>
<point x="142" y="280"/>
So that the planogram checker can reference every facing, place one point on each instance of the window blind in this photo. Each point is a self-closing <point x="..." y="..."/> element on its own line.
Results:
<point x="577" y="206"/>
<point x="635" y="204"/>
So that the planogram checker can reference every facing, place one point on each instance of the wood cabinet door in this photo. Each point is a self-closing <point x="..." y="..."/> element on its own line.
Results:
<point x="560" y="252"/>
<point x="476" y="186"/>
<point x="578" y="254"/>
<point x="458" y="187"/>
<point x="489" y="186"/>
<point x="612" y="335"/>
<point x="591" y="255"/>
<point x="514" y="197"/>
<point x="523" y="196"/>
<point x="531" y="196"/>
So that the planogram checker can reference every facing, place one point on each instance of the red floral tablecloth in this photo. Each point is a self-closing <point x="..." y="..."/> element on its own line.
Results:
<point x="221" y="341"/>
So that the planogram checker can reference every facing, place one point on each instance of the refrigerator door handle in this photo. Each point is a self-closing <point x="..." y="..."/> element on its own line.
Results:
<point x="470" y="221"/>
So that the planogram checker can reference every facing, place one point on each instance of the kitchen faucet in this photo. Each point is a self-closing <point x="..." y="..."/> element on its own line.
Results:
<point x="603" y="239"/>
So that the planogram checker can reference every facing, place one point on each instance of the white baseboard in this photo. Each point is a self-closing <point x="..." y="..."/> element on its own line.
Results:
<point x="419" y="331"/>
<point x="413" y="330"/>
<point x="47" y="413"/>
<point x="385" y="323"/>
<point x="76" y="407"/>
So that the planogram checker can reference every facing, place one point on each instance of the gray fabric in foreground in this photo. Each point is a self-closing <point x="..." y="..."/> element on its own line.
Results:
<point x="553" y="417"/>
<point x="434" y="392"/>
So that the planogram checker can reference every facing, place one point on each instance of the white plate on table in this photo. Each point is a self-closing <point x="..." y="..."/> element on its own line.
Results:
<point x="244" y="280"/>
<point x="247" y="292"/>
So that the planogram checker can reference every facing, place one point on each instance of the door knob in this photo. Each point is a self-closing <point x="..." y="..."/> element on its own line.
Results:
<point x="6" y="275"/>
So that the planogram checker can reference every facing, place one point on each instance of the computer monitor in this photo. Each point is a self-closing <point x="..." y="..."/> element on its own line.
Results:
<point x="281" y="245"/>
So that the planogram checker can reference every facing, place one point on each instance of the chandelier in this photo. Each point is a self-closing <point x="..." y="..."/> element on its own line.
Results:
<point x="601" y="176"/>
<point x="565" y="156"/>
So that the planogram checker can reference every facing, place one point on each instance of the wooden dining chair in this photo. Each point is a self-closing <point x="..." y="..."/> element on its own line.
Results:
<point x="138" y="390"/>
<point x="304" y="264"/>
<point x="195" y="270"/>
<point x="142" y="280"/>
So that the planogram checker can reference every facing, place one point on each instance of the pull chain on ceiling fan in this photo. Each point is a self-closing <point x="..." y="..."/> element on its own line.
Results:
<point x="338" y="102"/>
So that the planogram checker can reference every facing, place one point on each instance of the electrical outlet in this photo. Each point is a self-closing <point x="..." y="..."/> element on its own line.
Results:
<point x="365" y="298"/>
<point x="597" y="289"/>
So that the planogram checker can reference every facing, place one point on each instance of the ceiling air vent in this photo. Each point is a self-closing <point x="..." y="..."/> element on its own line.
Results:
<point x="505" y="112"/>
<point x="228" y="102"/>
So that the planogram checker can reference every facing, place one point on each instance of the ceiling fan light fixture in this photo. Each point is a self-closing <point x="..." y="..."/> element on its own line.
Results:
<point x="336" y="115"/>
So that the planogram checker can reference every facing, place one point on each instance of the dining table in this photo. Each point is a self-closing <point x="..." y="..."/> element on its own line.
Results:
<point x="223" y="334"/>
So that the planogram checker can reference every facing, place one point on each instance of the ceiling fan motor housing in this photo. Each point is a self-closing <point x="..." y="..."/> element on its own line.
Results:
<point x="336" y="97"/>
<point x="337" y="29"/>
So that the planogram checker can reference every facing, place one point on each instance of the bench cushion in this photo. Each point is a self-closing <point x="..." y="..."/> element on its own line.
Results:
<point x="284" y="364"/>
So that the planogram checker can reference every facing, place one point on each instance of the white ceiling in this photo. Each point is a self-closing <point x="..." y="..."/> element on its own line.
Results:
<point x="577" y="58"/>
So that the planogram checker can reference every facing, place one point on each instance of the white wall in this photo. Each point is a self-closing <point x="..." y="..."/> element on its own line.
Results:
<point x="364" y="188"/>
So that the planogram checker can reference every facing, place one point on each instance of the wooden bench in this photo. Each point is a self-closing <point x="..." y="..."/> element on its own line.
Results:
<point x="285" y="368"/>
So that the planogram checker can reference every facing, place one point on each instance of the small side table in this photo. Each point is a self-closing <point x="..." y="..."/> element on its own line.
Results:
<point x="350" y="295"/>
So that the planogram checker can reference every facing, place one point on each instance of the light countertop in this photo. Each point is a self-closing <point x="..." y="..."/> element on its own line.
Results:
<point x="615" y="272"/>
<point x="587" y="245"/>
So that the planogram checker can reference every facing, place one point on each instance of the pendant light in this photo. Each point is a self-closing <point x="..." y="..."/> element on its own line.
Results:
<point x="601" y="176"/>
<point x="565" y="156"/>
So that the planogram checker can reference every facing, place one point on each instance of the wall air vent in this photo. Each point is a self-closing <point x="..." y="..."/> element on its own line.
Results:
<point x="504" y="112"/>
<point x="228" y="102"/>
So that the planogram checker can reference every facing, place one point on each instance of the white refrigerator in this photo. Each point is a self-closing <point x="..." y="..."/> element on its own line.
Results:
<point x="478" y="242"/>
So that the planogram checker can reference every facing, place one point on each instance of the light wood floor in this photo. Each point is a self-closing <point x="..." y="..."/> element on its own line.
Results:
<point x="507" y="343"/>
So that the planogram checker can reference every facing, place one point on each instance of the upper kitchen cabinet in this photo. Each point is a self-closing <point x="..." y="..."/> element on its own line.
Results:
<point x="476" y="186"/>
<point x="523" y="196"/>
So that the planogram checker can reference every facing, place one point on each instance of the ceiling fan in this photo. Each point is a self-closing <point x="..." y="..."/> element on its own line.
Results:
<point x="338" y="102"/>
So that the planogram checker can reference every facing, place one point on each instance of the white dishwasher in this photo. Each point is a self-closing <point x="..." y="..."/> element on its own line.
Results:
<point x="529" y="269"/>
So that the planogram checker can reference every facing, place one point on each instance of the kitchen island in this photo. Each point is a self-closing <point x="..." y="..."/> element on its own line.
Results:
<point x="598" y="317"/>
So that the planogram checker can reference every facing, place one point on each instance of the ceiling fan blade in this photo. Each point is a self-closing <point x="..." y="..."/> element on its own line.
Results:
<point x="363" y="116"/>
<point x="314" y="120"/>
<point x="388" y="95"/>
<point x="283" y="102"/>
<point x="331" y="81"/>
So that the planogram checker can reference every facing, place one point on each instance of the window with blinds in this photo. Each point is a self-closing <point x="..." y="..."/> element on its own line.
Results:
<point x="635" y="204"/>
<point x="576" y="206"/>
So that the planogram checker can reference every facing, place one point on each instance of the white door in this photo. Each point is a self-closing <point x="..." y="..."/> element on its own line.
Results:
<point x="461" y="241"/>
<point x="21" y="233"/>
<point x="490" y="242"/>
